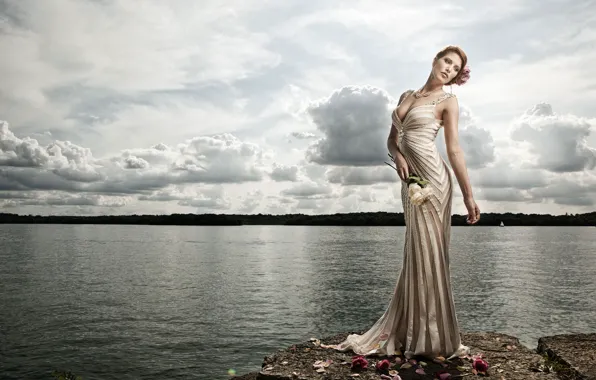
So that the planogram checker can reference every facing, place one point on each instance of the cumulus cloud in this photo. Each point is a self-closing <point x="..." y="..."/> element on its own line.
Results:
<point x="503" y="195"/>
<point x="558" y="142"/>
<point x="361" y="175"/>
<point x="358" y="200"/>
<point x="314" y="172"/>
<point x="308" y="190"/>
<point x="282" y="173"/>
<point x="133" y="162"/>
<point x="62" y="158"/>
<point x="163" y="103"/>
<point x="547" y="161"/>
<point x="26" y="165"/>
<point x="304" y="135"/>
<point x="570" y="191"/>
<point x="310" y="197"/>
<point x="56" y="198"/>
<point x="477" y="143"/>
<point x="202" y="198"/>
<point x="208" y="199"/>
<point x="251" y="201"/>
<point x="503" y="174"/>
<point x="355" y="122"/>
<point x="219" y="158"/>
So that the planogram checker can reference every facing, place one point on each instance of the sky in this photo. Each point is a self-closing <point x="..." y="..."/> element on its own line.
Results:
<point x="262" y="106"/>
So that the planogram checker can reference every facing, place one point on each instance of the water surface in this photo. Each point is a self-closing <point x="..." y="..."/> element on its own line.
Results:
<point x="154" y="302"/>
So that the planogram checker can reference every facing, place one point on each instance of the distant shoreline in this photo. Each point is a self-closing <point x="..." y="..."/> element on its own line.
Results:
<point x="346" y="219"/>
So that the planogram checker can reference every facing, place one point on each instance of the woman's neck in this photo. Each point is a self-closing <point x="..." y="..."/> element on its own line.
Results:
<point x="431" y="85"/>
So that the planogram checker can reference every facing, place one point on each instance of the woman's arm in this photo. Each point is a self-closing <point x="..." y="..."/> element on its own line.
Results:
<point x="393" y="147"/>
<point x="456" y="157"/>
<point x="454" y="151"/>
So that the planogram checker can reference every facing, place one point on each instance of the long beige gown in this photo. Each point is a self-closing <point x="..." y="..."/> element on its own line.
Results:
<point x="420" y="318"/>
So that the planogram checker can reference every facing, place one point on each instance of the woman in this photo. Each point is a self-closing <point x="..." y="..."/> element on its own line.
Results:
<point x="421" y="318"/>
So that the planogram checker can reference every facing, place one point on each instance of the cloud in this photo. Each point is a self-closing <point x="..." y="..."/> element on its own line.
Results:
<point x="62" y="158"/>
<point x="203" y="198"/>
<point x="133" y="162"/>
<point x="361" y="176"/>
<point x="61" y="165"/>
<point x="504" y="174"/>
<point x="251" y="201"/>
<point x="355" y="123"/>
<point x="135" y="107"/>
<point x="125" y="68"/>
<point x="547" y="160"/>
<point x="56" y="198"/>
<point x="314" y="172"/>
<point x="570" y="191"/>
<point x="304" y="135"/>
<point x="504" y="195"/>
<point x="282" y="173"/>
<point x="559" y="143"/>
<point x="176" y="43"/>
<point x="212" y="198"/>
<point x="358" y="200"/>
<point x="477" y="143"/>
<point x="309" y="190"/>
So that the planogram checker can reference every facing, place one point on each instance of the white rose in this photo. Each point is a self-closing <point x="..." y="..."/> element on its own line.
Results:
<point x="426" y="192"/>
<point x="413" y="189"/>
<point x="417" y="198"/>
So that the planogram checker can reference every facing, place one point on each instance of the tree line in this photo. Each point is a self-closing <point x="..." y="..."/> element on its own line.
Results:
<point x="339" y="219"/>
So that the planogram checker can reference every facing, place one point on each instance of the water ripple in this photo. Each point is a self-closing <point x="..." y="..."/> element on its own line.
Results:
<point x="129" y="302"/>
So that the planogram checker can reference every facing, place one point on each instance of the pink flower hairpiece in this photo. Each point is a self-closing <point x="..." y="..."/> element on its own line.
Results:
<point x="464" y="77"/>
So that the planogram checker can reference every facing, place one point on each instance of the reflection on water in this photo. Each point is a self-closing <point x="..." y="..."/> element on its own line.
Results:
<point x="128" y="302"/>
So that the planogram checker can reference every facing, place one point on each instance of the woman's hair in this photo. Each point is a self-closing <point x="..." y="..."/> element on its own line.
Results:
<point x="457" y="50"/>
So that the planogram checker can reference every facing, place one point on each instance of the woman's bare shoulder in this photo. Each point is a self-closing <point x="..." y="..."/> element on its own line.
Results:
<point x="404" y="95"/>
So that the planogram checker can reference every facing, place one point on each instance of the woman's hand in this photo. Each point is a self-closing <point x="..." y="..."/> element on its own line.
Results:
<point x="402" y="166"/>
<point x="473" y="210"/>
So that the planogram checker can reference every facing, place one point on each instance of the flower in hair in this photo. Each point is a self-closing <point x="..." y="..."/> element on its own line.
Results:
<point x="463" y="78"/>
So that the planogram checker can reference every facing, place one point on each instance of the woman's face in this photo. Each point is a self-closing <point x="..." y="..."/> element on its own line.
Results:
<point x="447" y="67"/>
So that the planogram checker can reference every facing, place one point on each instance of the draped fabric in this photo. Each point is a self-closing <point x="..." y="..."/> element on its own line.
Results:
<point x="420" y="318"/>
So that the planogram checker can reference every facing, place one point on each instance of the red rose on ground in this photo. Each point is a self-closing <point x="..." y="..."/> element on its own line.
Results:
<point x="480" y="365"/>
<point x="359" y="362"/>
<point x="383" y="365"/>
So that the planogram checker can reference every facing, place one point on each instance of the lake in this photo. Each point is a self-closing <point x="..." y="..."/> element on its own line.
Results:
<point x="155" y="302"/>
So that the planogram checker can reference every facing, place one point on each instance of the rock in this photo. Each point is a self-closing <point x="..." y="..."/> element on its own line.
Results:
<point x="573" y="356"/>
<point x="507" y="359"/>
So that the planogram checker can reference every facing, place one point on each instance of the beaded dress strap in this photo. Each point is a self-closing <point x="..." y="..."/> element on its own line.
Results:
<point x="442" y="97"/>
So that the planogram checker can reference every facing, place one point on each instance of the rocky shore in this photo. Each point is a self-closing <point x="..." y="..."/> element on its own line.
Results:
<point x="556" y="357"/>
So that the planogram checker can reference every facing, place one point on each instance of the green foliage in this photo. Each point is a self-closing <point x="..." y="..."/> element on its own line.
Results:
<point x="413" y="178"/>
